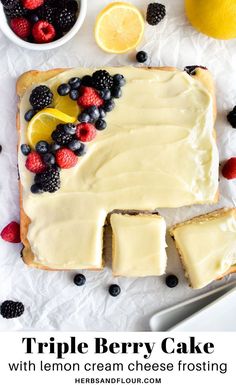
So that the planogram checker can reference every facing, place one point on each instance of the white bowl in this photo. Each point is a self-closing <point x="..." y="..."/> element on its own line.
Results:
<point x="43" y="47"/>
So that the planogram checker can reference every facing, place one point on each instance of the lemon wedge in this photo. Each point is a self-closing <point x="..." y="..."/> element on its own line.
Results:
<point x="44" y="123"/>
<point x="119" y="27"/>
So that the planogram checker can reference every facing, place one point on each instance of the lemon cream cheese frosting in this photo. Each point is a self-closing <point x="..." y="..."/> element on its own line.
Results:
<point x="138" y="245"/>
<point x="158" y="151"/>
<point x="207" y="246"/>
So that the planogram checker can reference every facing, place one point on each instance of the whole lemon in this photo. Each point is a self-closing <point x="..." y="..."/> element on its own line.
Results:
<point x="215" y="18"/>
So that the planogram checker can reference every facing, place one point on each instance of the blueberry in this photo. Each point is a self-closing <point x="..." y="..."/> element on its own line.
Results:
<point x="25" y="149"/>
<point x="81" y="151"/>
<point x="141" y="57"/>
<point x="0" y="148"/>
<point x="93" y="112"/>
<point x="36" y="188"/>
<point x="87" y="81"/>
<point x="74" y="94"/>
<point x="114" y="290"/>
<point x="116" y="92"/>
<point x="74" y="145"/>
<point x="172" y="281"/>
<point x="69" y="128"/>
<point x="102" y="113"/>
<point x="100" y="124"/>
<point x="54" y="147"/>
<point x="34" y="18"/>
<point x="109" y="105"/>
<point x="84" y="117"/>
<point x="105" y="94"/>
<point x="42" y="147"/>
<point x="79" y="279"/>
<point x="30" y="114"/>
<point x="49" y="159"/>
<point x="75" y="83"/>
<point x="63" y="89"/>
<point x="119" y="80"/>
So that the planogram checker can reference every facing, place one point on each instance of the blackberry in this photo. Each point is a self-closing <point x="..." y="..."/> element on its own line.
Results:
<point x="9" y="3"/>
<point x="65" y="19"/>
<point x="87" y="81"/>
<point x="11" y="309"/>
<point x="49" y="180"/>
<point x="41" y="97"/>
<point x="102" y="80"/>
<point x="46" y="13"/>
<point x="60" y="136"/>
<point x="231" y="117"/>
<point x="16" y="11"/>
<point x="72" y="5"/>
<point x="155" y="13"/>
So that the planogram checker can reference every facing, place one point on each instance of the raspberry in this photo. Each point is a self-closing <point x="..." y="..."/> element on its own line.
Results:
<point x="85" y="132"/>
<point x="34" y="163"/>
<point x="89" y="97"/>
<point x="11" y="233"/>
<point x="21" y="27"/>
<point x="229" y="169"/>
<point x="43" y="32"/>
<point x="11" y="309"/>
<point x="65" y="158"/>
<point x="32" y="4"/>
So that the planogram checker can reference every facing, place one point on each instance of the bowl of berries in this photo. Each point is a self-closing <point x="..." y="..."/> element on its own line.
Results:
<point x="41" y="24"/>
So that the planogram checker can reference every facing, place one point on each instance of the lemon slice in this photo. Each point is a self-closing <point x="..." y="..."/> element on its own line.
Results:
<point x="65" y="103"/>
<point x="119" y="27"/>
<point x="44" y="123"/>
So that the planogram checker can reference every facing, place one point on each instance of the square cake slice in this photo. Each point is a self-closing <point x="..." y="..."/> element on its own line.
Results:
<point x="138" y="245"/>
<point x="207" y="246"/>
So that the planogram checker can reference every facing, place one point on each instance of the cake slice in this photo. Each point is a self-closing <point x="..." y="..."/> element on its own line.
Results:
<point x="158" y="150"/>
<point x="138" y="245"/>
<point x="207" y="246"/>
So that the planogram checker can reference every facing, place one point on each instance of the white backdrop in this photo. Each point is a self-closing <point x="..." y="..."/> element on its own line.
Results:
<point x="51" y="299"/>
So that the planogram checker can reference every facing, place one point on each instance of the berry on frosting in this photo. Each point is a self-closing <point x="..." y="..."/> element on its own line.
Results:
<point x="41" y="97"/>
<point x="34" y="163"/>
<point x="65" y="158"/>
<point x="21" y="27"/>
<point x="61" y="135"/>
<point x="11" y="233"/>
<point x="89" y="97"/>
<point x="102" y="80"/>
<point x="43" y="32"/>
<point x="9" y="3"/>
<point x="155" y="13"/>
<point x="32" y="4"/>
<point x="63" y="89"/>
<point x="229" y="169"/>
<point x="11" y="309"/>
<point x="85" y="132"/>
<point x="49" y="180"/>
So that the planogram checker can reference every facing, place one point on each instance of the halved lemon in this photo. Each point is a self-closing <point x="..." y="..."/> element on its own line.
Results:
<point x="44" y="123"/>
<point x="119" y="27"/>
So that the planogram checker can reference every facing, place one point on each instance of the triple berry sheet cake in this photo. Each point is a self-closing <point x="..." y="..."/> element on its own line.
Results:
<point x="95" y="141"/>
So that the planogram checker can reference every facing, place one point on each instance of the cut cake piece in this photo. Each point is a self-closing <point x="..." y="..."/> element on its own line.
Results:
<point x="138" y="245"/>
<point x="207" y="246"/>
